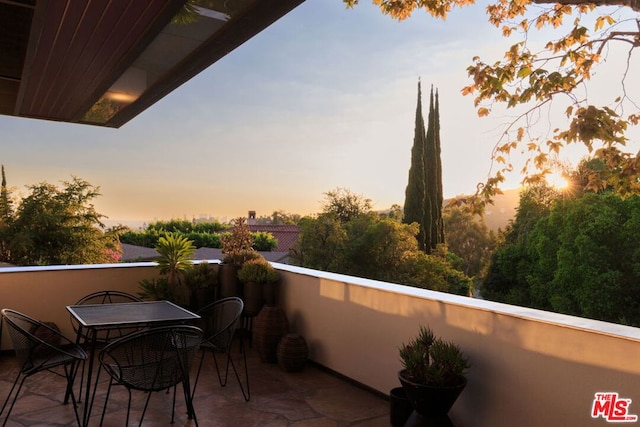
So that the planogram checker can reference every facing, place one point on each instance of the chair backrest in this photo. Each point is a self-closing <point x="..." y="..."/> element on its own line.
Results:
<point x="107" y="297"/>
<point x="219" y="321"/>
<point x="152" y="359"/>
<point x="34" y="342"/>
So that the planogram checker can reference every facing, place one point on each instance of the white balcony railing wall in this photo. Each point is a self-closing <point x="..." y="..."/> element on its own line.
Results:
<point x="529" y="367"/>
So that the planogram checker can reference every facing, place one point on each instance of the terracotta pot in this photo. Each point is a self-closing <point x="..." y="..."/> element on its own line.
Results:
<point x="292" y="353"/>
<point x="269" y="327"/>
<point x="431" y="401"/>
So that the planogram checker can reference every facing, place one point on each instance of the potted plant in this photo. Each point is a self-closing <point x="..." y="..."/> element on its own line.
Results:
<point x="259" y="278"/>
<point x="237" y="248"/>
<point x="201" y="281"/>
<point x="176" y="252"/>
<point x="433" y="374"/>
<point x="154" y="289"/>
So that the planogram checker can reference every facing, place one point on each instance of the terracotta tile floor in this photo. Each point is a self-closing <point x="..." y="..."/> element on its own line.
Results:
<point x="312" y="397"/>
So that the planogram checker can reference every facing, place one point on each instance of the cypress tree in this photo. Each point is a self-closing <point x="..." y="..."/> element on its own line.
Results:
<point x="6" y="205"/>
<point x="440" y="198"/>
<point x="433" y="176"/>
<point x="415" y="200"/>
<point x="6" y="217"/>
<point x="424" y="196"/>
<point x="430" y="178"/>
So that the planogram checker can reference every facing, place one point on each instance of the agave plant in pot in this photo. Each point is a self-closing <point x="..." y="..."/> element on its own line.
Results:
<point x="433" y="374"/>
<point x="259" y="279"/>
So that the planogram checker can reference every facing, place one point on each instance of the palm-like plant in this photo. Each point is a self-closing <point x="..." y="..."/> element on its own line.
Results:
<point x="176" y="253"/>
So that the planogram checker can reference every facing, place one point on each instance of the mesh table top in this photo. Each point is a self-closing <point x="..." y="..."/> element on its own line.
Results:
<point x="130" y="313"/>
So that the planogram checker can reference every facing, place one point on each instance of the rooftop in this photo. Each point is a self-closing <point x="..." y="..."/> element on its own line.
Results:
<point x="528" y="367"/>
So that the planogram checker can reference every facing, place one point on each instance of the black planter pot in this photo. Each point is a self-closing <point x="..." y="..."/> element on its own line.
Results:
<point x="228" y="283"/>
<point x="253" y="298"/>
<point x="400" y="407"/>
<point x="201" y="297"/>
<point x="269" y="293"/>
<point x="431" y="401"/>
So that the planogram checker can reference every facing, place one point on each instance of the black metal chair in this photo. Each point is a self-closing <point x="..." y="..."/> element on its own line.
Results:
<point x="39" y="347"/>
<point x="104" y="336"/>
<point x="151" y="360"/>
<point x="219" y="321"/>
<point x="105" y="297"/>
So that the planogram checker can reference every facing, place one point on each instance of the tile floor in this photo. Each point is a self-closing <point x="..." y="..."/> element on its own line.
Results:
<point x="313" y="398"/>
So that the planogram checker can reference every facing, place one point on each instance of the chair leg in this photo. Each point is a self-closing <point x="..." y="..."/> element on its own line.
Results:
<point x="129" y="408"/>
<point x="173" y="406"/>
<point x="15" y="397"/>
<point x="188" y="398"/>
<point x="75" y="374"/>
<point x="106" y="399"/>
<point x="195" y="383"/>
<point x="69" y="372"/>
<point x="245" y="393"/>
<point x="144" y="410"/>
<point x="223" y="383"/>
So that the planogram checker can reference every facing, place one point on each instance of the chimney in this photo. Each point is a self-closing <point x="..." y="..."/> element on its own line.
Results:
<point x="251" y="219"/>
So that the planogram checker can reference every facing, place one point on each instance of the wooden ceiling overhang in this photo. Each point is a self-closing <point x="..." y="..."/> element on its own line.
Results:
<point x="104" y="62"/>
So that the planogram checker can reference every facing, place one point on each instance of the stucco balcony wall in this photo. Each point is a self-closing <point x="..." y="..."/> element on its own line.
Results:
<point x="44" y="292"/>
<point x="529" y="367"/>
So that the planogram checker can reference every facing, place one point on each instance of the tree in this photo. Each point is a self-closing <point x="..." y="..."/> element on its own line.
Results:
<point x="423" y="195"/>
<point x="469" y="238"/>
<point x="6" y="218"/>
<point x="320" y="243"/>
<point x="377" y="248"/>
<point x="571" y="254"/>
<point x="586" y="258"/>
<point x="344" y="204"/>
<point x="416" y="203"/>
<point x="535" y="79"/>
<point x="279" y="218"/>
<point x="374" y="246"/>
<point x="433" y="176"/>
<point x="6" y="202"/>
<point x="510" y="265"/>
<point x="60" y="226"/>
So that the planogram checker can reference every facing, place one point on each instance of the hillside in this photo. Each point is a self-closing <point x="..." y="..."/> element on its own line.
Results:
<point x="498" y="215"/>
<point x="503" y="209"/>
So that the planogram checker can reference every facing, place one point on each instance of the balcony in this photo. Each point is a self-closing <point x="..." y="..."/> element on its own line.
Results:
<point x="312" y="396"/>
<point x="529" y="367"/>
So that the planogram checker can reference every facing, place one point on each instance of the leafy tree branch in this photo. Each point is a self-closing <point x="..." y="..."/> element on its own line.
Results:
<point x="582" y="36"/>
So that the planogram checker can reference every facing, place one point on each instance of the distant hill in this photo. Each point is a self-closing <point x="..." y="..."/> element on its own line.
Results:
<point x="503" y="209"/>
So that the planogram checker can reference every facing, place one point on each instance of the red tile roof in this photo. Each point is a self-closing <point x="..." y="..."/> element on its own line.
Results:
<point x="287" y="235"/>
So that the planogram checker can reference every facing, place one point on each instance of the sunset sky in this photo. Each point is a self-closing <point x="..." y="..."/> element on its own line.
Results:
<point x="324" y="98"/>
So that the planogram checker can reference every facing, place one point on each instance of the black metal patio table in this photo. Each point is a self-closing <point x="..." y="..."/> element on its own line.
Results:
<point x="100" y="317"/>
